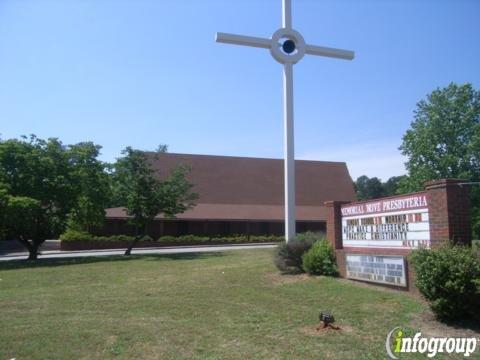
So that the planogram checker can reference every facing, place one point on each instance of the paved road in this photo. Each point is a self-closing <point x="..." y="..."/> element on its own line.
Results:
<point x="137" y="251"/>
<point x="12" y="246"/>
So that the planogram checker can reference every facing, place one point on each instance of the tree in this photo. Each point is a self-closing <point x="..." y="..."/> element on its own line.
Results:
<point x="23" y="220"/>
<point x="368" y="188"/>
<point x="444" y="141"/>
<point x="392" y="186"/>
<point x="372" y="188"/>
<point x="144" y="195"/>
<point x="38" y="189"/>
<point x="91" y="186"/>
<point x="444" y="136"/>
<point x="43" y="183"/>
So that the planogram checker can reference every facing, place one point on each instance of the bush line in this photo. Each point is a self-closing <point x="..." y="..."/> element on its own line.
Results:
<point x="71" y="235"/>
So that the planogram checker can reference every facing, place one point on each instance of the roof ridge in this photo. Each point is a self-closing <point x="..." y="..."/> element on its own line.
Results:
<point x="242" y="157"/>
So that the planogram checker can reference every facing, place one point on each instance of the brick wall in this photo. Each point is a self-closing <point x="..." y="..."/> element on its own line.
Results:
<point x="334" y="223"/>
<point x="449" y="212"/>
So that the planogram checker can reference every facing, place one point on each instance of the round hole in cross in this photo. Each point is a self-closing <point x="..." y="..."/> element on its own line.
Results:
<point x="288" y="46"/>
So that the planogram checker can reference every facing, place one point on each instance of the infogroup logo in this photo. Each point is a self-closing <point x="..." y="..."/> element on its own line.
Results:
<point x="398" y="343"/>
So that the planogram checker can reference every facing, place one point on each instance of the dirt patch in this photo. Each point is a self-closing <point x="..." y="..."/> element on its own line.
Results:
<point x="378" y="287"/>
<point x="283" y="279"/>
<point x="315" y="331"/>
<point x="430" y="326"/>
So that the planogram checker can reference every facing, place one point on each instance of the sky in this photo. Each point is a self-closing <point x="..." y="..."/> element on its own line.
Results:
<point x="146" y="72"/>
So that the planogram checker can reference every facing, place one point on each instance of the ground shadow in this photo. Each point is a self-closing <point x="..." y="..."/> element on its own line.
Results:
<point x="461" y="324"/>
<point x="26" y="264"/>
<point x="429" y="324"/>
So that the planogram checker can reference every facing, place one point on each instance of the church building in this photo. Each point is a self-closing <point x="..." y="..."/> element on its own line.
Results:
<point x="240" y="195"/>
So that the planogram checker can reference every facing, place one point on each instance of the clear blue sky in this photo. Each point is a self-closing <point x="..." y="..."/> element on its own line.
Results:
<point x="142" y="73"/>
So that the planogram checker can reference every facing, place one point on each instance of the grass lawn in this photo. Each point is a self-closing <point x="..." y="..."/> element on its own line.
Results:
<point x="231" y="305"/>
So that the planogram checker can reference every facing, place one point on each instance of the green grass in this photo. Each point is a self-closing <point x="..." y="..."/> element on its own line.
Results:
<point x="231" y="305"/>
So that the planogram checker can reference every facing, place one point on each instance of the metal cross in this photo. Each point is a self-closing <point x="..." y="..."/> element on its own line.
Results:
<point x="287" y="46"/>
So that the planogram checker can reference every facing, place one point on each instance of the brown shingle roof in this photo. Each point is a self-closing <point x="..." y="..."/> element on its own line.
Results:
<point x="252" y="188"/>
<point x="236" y="212"/>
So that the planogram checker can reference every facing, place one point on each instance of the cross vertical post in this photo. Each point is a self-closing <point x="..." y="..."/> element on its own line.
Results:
<point x="289" y="158"/>
<point x="289" y="137"/>
<point x="287" y="14"/>
<point x="287" y="46"/>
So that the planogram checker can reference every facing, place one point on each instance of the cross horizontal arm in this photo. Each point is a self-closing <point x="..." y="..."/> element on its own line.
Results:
<point x="329" y="52"/>
<point x="243" y="40"/>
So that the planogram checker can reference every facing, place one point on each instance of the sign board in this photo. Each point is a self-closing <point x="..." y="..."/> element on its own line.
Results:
<point x="388" y="270"/>
<point x="400" y="222"/>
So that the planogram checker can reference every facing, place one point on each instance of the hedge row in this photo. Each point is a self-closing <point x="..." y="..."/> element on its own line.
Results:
<point x="72" y="235"/>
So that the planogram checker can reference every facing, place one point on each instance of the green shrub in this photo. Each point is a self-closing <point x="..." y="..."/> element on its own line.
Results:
<point x="310" y="236"/>
<point x="75" y="235"/>
<point x="122" y="238"/>
<point x="192" y="238"/>
<point x="475" y="220"/>
<point x="236" y="238"/>
<point x="320" y="259"/>
<point x="217" y="239"/>
<point x="476" y="245"/>
<point x="266" y="238"/>
<point x="187" y="238"/>
<point x="233" y="239"/>
<point x="239" y="238"/>
<point x="145" y="238"/>
<point x="288" y="257"/>
<point x="449" y="278"/>
<point x="101" y="238"/>
<point x="167" y="239"/>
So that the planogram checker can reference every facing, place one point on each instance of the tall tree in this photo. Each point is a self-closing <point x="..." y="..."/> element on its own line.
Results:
<point x="38" y="190"/>
<point x="43" y="183"/>
<point x="91" y="186"/>
<point x="144" y="195"/>
<point x="444" y="141"/>
<point x="371" y="188"/>
<point x="368" y="188"/>
<point x="392" y="185"/>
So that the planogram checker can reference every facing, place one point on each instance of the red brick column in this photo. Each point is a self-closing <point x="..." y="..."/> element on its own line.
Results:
<point x="449" y="212"/>
<point x="334" y="223"/>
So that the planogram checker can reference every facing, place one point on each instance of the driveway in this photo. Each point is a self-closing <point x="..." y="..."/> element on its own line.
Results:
<point x="137" y="251"/>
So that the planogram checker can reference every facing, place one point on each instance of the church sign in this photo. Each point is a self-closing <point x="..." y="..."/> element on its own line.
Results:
<point x="399" y="222"/>
<point x="372" y="239"/>
<point x="389" y="270"/>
